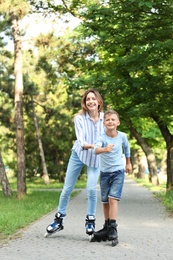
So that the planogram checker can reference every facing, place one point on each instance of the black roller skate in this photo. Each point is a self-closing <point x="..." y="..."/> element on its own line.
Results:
<point x="112" y="232"/>
<point x="102" y="234"/>
<point x="90" y="225"/>
<point x="55" y="226"/>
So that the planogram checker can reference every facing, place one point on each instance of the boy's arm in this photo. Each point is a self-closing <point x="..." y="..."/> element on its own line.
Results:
<point x="128" y="165"/>
<point x="99" y="150"/>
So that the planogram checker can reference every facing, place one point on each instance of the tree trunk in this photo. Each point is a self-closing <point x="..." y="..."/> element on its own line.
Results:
<point x="134" y="161"/>
<point x="151" y="160"/>
<point x="170" y="165"/>
<point x="4" y="180"/>
<point x="21" y="171"/>
<point x="44" y="168"/>
<point x="169" y="146"/>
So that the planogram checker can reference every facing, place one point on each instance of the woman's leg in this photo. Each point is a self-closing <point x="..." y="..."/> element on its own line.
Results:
<point x="93" y="175"/>
<point x="73" y="171"/>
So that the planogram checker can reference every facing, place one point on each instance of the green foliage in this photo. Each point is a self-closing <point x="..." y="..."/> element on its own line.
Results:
<point x="7" y="134"/>
<point x="167" y="199"/>
<point x="124" y="49"/>
<point x="53" y="107"/>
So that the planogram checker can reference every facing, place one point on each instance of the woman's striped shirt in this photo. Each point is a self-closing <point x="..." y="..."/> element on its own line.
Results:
<point x="87" y="132"/>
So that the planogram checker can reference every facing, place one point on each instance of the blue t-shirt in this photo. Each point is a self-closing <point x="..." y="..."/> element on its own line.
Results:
<point x="114" y="160"/>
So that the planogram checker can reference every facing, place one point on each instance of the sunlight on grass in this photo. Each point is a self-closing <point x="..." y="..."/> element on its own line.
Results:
<point x="38" y="183"/>
<point x="145" y="182"/>
<point x="16" y="214"/>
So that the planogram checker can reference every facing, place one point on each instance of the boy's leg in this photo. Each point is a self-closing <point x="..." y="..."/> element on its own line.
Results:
<point x="106" y="210"/>
<point x="117" y="181"/>
<point x="113" y="212"/>
<point x="113" y="208"/>
<point x="104" y="185"/>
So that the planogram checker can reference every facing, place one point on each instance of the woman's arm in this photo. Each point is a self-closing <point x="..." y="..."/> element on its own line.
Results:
<point x="81" y="133"/>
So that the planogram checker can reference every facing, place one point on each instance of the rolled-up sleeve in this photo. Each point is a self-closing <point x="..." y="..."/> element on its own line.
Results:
<point x="126" y="146"/>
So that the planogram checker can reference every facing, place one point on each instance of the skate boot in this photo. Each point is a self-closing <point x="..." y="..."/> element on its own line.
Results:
<point x="102" y="234"/>
<point x="112" y="232"/>
<point x="55" y="226"/>
<point x="90" y="225"/>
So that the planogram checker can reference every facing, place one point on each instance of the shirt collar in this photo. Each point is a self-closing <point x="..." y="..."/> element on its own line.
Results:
<point x="101" y="115"/>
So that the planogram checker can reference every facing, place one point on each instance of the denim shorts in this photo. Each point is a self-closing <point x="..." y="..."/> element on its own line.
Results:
<point x="111" y="185"/>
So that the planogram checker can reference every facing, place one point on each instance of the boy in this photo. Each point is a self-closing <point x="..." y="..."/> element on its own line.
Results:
<point x="111" y="145"/>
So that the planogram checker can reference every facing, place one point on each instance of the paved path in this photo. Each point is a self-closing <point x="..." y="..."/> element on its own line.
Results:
<point x="145" y="232"/>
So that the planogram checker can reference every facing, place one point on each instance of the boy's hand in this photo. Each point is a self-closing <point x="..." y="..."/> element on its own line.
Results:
<point x="128" y="168"/>
<point x="109" y="148"/>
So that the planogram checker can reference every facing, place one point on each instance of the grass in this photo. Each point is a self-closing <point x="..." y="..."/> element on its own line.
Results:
<point x="38" y="183"/>
<point x="41" y="199"/>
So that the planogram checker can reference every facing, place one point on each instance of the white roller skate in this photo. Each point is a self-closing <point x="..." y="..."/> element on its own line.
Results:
<point x="90" y="226"/>
<point x="55" y="226"/>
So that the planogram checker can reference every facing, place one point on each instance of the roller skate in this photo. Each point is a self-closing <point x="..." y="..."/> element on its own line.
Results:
<point x="112" y="232"/>
<point x="102" y="234"/>
<point x="90" y="225"/>
<point x="55" y="226"/>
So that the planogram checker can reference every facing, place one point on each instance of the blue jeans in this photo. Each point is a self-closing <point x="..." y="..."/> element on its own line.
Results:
<point x="73" y="171"/>
<point x="111" y="185"/>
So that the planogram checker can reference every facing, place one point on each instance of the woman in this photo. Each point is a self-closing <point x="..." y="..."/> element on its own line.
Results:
<point x="88" y="126"/>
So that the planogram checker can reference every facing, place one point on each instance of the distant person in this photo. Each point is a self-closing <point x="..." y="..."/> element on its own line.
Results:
<point x="88" y="126"/>
<point x="111" y="146"/>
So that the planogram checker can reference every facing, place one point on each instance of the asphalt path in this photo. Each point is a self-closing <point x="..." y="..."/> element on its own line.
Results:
<point x="145" y="231"/>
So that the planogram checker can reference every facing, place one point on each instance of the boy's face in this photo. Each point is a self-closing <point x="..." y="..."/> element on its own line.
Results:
<point x="111" y="121"/>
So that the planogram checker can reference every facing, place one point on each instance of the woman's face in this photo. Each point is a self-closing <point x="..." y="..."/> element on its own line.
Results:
<point x="91" y="102"/>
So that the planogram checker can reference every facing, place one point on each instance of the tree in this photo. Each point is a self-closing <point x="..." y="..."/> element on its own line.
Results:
<point x="21" y="179"/>
<point x="151" y="159"/>
<point x="126" y="52"/>
<point x="169" y="145"/>
<point x="15" y="10"/>
<point x="4" y="180"/>
<point x="44" y="167"/>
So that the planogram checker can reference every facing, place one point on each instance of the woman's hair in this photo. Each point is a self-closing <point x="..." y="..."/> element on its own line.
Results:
<point x="98" y="97"/>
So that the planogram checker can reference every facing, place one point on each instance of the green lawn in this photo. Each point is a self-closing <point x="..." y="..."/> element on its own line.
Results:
<point x="41" y="199"/>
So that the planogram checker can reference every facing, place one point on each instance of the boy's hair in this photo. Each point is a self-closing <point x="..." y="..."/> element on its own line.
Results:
<point x="98" y="97"/>
<point x="111" y="111"/>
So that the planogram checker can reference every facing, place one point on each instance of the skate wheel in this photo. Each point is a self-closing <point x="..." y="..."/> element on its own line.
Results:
<point x="46" y="234"/>
<point x="90" y="238"/>
<point x="114" y="242"/>
<point x="93" y="239"/>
